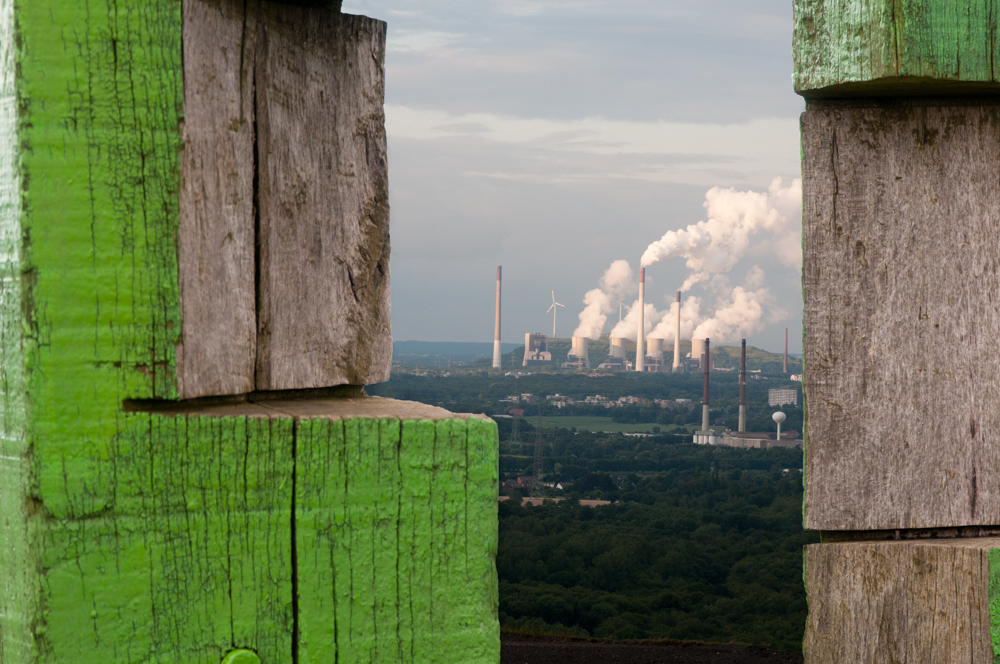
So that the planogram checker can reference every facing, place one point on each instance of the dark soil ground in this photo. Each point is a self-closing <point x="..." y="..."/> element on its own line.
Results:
<point x="517" y="649"/>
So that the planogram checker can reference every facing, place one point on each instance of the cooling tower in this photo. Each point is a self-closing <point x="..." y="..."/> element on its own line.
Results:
<point x="640" y="359"/>
<point x="579" y="354"/>
<point x="654" y="349"/>
<point x="617" y="348"/>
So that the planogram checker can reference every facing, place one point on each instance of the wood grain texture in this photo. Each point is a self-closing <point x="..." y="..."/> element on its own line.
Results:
<point x="206" y="524"/>
<point x="916" y="602"/>
<point x="901" y="220"/>
<point x="216" y="237"/>
<point x="396" y="532"/>
<point x="190" y="557"/>
<point x="323" y="297"/>
<point x="865" y="47"/>
<point x="19" y="606"/>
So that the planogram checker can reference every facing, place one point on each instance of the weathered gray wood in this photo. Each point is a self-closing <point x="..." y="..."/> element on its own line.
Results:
<point x="848" y="48"/>
<point x="323" y="296"/>
<point x="901" y="221"/>
<point x="216" y="245"/>
<point x="915" y="602"/>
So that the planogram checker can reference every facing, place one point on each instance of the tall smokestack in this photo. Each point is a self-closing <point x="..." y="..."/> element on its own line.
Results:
<point x="640" y="349"/>
<point x="784" y="366"/>
<point x="496" y="330"/>
<point x="743" y="388"/>
<point x="677" y="337"/>
<point x="704" y="398"/>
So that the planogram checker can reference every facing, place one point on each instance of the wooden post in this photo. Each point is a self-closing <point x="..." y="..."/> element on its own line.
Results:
<point x="193" y="204"/>
<point x="901" y="200"/>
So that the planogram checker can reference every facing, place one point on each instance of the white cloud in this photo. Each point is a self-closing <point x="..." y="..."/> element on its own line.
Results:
<point x="600" y="148"/>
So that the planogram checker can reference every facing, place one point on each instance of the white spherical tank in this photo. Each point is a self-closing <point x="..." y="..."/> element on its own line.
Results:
<point x="779" y="417"/>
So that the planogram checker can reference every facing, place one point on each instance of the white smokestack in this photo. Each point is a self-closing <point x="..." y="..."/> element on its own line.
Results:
<point x="677" y="337"/>
<point x="640" y="363"/>
<point x="497" y="355"/>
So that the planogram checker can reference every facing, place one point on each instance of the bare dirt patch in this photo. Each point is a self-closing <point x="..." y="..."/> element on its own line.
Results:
<point x="549" y="650"/>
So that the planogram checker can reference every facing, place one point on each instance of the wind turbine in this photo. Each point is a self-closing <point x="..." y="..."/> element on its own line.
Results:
<point x="622" y="305"/>
<point x="554" y="312"/>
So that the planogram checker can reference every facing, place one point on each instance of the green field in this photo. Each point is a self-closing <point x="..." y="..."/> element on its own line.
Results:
<point x="599" y="424"/>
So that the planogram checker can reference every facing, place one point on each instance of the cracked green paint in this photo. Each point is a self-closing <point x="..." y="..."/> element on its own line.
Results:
<point x="396" y="531"/>
<point x="994" y="599"/>
<point x="850" y="47"/>
<point x="156" y="539"/>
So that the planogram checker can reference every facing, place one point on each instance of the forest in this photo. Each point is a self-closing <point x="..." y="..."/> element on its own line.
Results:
<point x="699" y="543"/>
<point x="698" y="554"/>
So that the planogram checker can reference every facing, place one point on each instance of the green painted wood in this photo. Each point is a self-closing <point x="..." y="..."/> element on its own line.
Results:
<point x="879" y="47"/>
<point x="389" y="569"/>
<point x="192" y="557"/>
<point x="994" y="600"/>
<point x="156" y="538"/>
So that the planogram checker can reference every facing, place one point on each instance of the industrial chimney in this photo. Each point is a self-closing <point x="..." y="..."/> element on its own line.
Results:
<point x="677" y="337"/>
<point x="640" y="350"/>
<point x="497" y="355"/>
<point x="704" y="398"/>
<point x="743" y="388"/>
<point x="785" y="363"/>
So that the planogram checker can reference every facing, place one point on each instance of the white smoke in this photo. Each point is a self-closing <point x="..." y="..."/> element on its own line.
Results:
<point x="716" y="245"/>
<point x="618" y="280"/>
<point x="690" y="318"/>
<point x="736" y="219"/>
<point x="740" y="316"/>
<point x="629" y="326"/>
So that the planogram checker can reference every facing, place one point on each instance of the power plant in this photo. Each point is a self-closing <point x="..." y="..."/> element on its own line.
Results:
<point x="579" y="355"/>
<point x="497" y="354"/>
<point x="536" y="350"/>
<point x="699" y="353"/>
<point x="654" y="355"/>
<point x="617" y="360"/>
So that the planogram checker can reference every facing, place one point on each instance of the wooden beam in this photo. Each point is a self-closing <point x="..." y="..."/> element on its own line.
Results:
<point x="216" y="233"/>
<point x="905" y="601"/>
<point x="850" y="48"/>
<point x="323" y="300"/>
<point x="900" y="315"/>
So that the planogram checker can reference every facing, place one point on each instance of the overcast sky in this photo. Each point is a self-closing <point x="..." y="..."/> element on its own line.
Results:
<point x="554" y="137"/>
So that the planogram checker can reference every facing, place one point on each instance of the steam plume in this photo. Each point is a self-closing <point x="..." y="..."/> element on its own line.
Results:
<point x="734" y="217"/>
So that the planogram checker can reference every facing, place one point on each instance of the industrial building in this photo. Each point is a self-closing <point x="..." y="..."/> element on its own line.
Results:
<point x="536" y="350"/>
<point x="617" y="360"/>
<point x="693" y="361"/>
<point x="762" y="440"/>
<point x="782" y="396"/>
<point x="579" y="355"/>
<point x="654" y="356"/>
